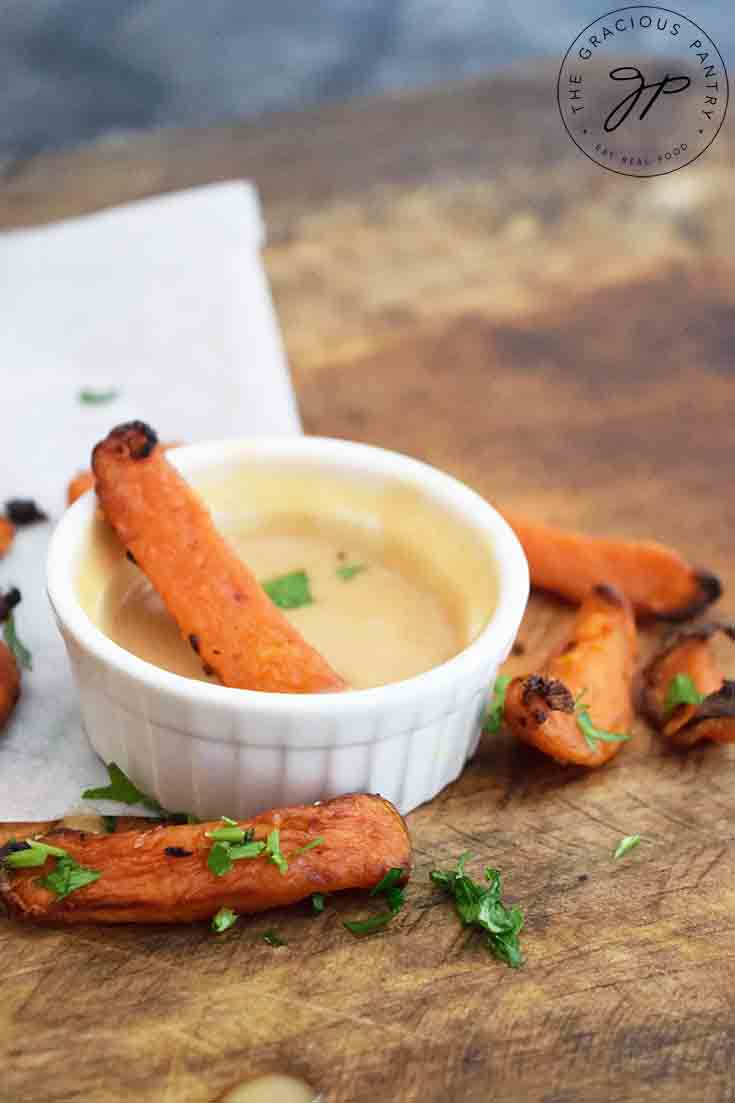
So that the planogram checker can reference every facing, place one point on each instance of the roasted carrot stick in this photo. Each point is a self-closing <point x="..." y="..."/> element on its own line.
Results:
<point x="579" y="708"/>
<point x="655" y="578"/>
<point x="7" y="535"/>
<point x="84" y="480"/>
<point x="214" y="598"/>
<point x="161" y="874"/>
<point x="685" y="695"/>
<point x="9" y="671"/>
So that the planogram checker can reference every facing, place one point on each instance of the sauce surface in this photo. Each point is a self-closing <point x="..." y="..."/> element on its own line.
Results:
<point x="389" y="620"/>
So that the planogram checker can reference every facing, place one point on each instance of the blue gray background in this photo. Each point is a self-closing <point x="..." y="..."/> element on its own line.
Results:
<point x="76" y="70"/>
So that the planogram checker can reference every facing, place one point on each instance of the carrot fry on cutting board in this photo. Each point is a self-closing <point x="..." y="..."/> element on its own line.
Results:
<point x="578" y="709"/>
<point x="655" y="578"/>
<point x="84" y="480"/>
<point x="9" y="670"/>
<point x="7" y="535"/>
<point x="219" y="607"/>
<point x="684" y="694"/>
<point x="165" y="874"/>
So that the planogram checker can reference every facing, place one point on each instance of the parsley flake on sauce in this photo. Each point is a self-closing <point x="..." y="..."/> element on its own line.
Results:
<point x="348" y="570"/>
<point x="289" y="591"/>
<point x="480" y="906"/>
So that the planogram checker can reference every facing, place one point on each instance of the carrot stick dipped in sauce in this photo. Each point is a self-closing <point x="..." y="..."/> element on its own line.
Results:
<point x="685" y="695"/>
<point x="215" y="599"/>
<point x="84" y="480"/>
<point x="656" y="579"/>
<point x="179" y="874"/>
<point x="578" y="709"/>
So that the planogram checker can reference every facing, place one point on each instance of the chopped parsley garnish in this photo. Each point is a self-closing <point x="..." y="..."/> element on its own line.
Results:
<point x="593" y="735"/>
<point x="246" y="850"/>
<point x="223" y="920"/>
<point x="274" y="939"/>
<point x="681" y="691"/>
<point x="387" y="887"/>
<point x="90" y="397"/>
<point x="348" y="570"/>
<point x="626" y="844"/>
<point x="481" y="906"/>
<point x="22" y="855"/>
<point x="289" y="591"/>
<point x="10" y="634"/>
<point x="110" y="824"/>
<point x="228" y="821"/>
<point x="274" y="852"/>
<point x="68" y="876"/>
<point x="494" y="718"/>
<point x="122" y="789"/>
<point x="219" y="860"/>
<point x="227" y="835"/>
<point x="360" y="927"/>
<point x="317" y="902"/>
<point x="239" y="844"/>
<point x="310" y="845"/>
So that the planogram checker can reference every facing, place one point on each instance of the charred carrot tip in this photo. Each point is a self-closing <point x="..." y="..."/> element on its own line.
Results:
<point x="136" y="437"/>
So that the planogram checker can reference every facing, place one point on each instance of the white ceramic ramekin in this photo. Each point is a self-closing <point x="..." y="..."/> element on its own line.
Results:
<point x="212" y="750"/>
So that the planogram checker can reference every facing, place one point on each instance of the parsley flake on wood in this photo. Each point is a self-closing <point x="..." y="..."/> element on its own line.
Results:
<point x="274" y="939"/>
<point x="68" y="876"/>
<point x="387" y="887"/>
<point x="626" y="844"/>
<point x="494" y="718"/>
<point x="10" y="635"/>
<point x="223" y="920"/>
<point x="88" y="396"/>
<point x="289" y="591"/>
<point x="480" y="906"/>
<point x="681" y="691"/>
<point x="348" y="570"/>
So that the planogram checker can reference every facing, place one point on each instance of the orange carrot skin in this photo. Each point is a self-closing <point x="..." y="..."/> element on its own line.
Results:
<point x="655" y="578"/>
<point x="364" y="836"/>
<point x="9" y="684"/>
<point x="215" y="599"/>
<point x="598" y="664"/>
<point x="7" y="535"/>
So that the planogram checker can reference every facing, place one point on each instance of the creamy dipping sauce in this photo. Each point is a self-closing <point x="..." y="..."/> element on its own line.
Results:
<point x="389" y="620"/>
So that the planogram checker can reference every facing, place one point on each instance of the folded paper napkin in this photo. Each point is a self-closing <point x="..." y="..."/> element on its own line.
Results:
<point x="164" y="303"/>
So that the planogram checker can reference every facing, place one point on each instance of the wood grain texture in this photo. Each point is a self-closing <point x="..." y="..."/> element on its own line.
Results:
<point x="458" y="283"/>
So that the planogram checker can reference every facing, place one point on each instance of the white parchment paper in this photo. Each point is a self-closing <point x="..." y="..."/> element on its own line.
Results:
<point x="166" y="301"/>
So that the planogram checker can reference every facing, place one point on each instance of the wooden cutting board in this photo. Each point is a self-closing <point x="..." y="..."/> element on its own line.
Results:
<point x="457" y="282"/>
